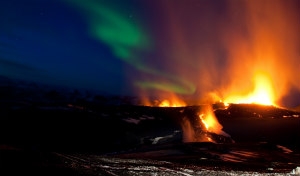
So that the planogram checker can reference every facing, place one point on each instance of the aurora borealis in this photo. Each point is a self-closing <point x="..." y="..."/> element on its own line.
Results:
<point x="113" y="29"/>
<point x="127" y="41"/>
<point x="195" y="48"/>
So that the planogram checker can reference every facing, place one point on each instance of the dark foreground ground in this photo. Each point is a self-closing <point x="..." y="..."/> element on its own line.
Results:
<point x="140" y="140"/>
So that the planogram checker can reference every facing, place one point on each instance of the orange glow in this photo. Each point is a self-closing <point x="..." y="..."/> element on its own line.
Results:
<point x="210" y="121"/>
<point x="203" y="121"/>
<point x="263" y="91"/>
<point x="250" y="55"/>
<point x="172" y="103"/>
<point x="168" y="99"/>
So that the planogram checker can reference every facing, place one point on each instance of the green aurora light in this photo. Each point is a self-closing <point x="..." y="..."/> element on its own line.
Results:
<point x="125" y="40"/>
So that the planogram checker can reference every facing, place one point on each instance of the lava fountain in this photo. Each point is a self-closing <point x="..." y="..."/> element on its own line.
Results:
<point x="262" y="93"/>
<point x="242" y="51"/>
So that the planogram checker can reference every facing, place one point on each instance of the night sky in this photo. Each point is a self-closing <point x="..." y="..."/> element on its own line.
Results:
<point x="134" y="47"/>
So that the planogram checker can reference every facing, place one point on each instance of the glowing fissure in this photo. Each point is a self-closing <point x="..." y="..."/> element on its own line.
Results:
<point x="172" y="103"/>
<point x="166" y="100"/>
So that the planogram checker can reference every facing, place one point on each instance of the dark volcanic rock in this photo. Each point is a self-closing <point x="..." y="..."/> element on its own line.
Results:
<point x="114" y="128"/>
<point x="78" y="138"/>
<point x="257" y="123"/>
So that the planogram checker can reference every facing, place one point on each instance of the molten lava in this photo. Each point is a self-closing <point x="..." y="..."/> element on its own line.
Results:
<point x="211" y="122"/>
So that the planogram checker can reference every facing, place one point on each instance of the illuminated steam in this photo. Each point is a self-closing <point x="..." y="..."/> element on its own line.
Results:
<point x="221" y="47"/>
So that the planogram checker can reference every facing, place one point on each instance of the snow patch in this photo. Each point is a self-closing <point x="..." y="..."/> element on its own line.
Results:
<point x="296" y="171"/>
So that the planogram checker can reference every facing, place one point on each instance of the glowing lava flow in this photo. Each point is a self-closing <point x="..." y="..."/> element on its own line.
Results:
<point x="209" y="128"/>
<point x="211" y="122"/>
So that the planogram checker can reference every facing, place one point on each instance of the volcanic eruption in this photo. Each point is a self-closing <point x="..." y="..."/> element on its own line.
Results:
<point x="213" y="81"/>
<point x="243" y="52"/>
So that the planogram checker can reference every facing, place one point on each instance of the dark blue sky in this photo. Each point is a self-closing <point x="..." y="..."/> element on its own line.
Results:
<point x="194" y="47"/>
<point x="48" y="41"/>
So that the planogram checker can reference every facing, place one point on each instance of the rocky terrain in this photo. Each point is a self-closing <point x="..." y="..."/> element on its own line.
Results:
<point x="44" y="131"/>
